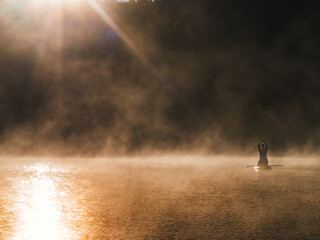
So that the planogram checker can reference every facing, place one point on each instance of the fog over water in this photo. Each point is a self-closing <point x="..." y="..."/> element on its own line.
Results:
<point x="207" y="76"/>
<point x="168" y="197"/>
<point x="137" y="119"/>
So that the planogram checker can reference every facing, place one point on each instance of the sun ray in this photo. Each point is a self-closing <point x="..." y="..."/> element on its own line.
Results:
<point x="125" y="38"/>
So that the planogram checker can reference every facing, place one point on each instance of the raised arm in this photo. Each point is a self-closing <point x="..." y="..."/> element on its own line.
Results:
<point x="260" y="145"/>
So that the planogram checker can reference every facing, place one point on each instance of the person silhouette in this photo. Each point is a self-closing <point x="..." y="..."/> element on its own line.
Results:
<point x="263" y="149"/>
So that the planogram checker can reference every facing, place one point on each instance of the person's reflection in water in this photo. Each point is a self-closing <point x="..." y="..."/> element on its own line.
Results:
<point x="263" y="149"/>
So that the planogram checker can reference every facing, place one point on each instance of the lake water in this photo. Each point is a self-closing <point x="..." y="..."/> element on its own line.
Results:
<point x="158" y="198"/>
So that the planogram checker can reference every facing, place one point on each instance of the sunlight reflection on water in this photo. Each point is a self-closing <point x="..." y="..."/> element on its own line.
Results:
<point x="39" y="205"/>
<point x="164" y="198"/>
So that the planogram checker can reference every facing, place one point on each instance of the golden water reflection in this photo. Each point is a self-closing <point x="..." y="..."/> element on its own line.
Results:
<point x="160" y="198"/>
<point x="40" y="205"/>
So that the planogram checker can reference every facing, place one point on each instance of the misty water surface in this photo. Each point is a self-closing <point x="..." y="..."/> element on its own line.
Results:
<point x="158" y="198"/>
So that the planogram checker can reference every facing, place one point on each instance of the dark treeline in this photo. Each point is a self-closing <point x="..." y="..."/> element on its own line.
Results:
<point x="197" y="75"/>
